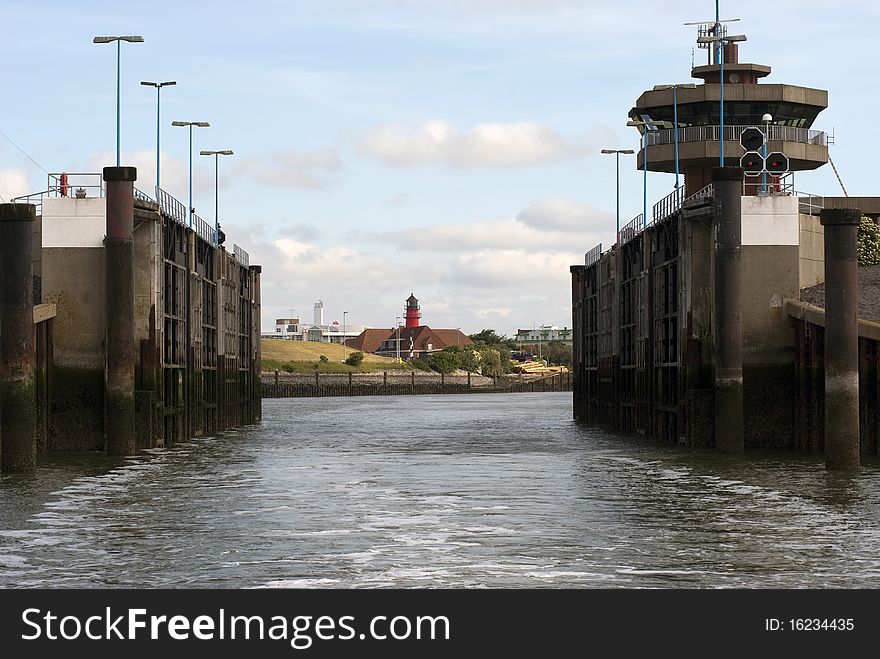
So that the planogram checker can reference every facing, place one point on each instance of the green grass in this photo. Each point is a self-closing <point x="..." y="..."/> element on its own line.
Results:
<point x="305" y="356"/>
<point x="310" y="351"/>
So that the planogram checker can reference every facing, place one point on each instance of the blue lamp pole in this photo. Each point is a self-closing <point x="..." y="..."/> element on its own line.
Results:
<point x="674" y="89"/>
<point x="224" y="152"/>
<point x="646" y="125"/>
<point x="118" y="40"/>
<point x="617" y="153"/>
<point x="721" y="40"/>
<point x="200" y="124"/>
<point x="158" y="86"/>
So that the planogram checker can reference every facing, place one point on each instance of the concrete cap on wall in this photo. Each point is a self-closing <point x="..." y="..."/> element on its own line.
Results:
<point x="256" y="268"/>
<point x="727" y="173"/>
<point x="17" y="212"/>
<point x="120" y="173"/>
<point x="840" y="216"/>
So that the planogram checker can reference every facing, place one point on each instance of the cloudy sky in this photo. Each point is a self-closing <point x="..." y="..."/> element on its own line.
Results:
<point x="448" y="148"/>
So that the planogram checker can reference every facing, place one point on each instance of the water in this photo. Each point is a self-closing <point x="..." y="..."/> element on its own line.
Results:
<point x="430" y="491"/>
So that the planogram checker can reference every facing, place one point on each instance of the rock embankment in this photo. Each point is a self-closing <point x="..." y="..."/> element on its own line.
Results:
<point x="869" y="294"/>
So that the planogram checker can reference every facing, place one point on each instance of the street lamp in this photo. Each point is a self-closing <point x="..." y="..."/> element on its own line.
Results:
<point x="397" y="322"/>
<point x="674" y="88"/>
<point x="767" y="118"/>
<point x="224" y="152"/>
<point x="721" y="40"/>
<point x="118" y="40"/>
<point x="617" y="153"/>
<point x="158" y="86"/>
<point x="344" y="314"/>
<point x="648" y="125"/>
<point x="200" y="124"/>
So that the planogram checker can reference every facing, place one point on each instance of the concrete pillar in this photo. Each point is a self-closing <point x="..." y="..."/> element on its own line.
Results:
<point x="727" y="235"/>
<point x="119" y="362"/>
<point x="18" y="411"/>
<point x="841" y="338"/>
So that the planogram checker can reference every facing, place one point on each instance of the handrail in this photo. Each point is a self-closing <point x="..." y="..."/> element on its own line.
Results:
<point x="204" y="230"/>
<point x="241" y="256"/>
<point x="143" y="196"/>
<point x="170" y="206"/>
<point x="593" y="255"/>
<point x="632" y="229"/>
<point x="732" y="134"/>
<point x="670" y="204"/>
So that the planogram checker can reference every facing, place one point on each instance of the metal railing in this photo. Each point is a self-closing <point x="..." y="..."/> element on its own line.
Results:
<point x="143" y="196"/>
<point x="171" y="207"/>
<point x="702" y="193"/>
<point x="670" y="204"/>
<point x="81" y="184"/>
<point x="810" y="204"/>
<point x="204" y="230"/>
<point x="593" y="255"/>
<point x="632" y="229"/>
<point x="241" y="256"/>
<point x="732" y="134"/>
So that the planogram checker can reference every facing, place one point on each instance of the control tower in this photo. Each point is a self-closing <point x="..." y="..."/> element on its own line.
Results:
<point x="746" y="102"/>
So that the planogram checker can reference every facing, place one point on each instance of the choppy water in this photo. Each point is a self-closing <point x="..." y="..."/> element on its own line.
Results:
<point x="462" y="491"/>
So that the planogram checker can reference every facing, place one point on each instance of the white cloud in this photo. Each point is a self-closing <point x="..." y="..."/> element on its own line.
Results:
<point x="293" y="169"/>
<point x="560" y="214"/>
<point x="13" y="183"/>
<point x="489" y="144"/>
<point x="546" y="224"/>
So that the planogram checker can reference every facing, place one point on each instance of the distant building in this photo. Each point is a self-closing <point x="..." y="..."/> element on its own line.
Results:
<point x="413" y="341"/>
<point x="543" y="334"/>
<point x="294" y="330"/>
<point x="407" y="342"/>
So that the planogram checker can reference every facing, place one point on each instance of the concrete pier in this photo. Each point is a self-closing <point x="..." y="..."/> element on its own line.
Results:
<point x="18" y="443"/>
<point x="119" y="381"/>
<point x="841" y="339"/>
<point x="727" y="234"/>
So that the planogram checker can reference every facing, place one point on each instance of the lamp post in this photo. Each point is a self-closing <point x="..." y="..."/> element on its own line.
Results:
<point x="397" y="323"/>
<point x="674" y="88"/>
<point x="200" y="124"/>
<point x="617" y="153"/>
<point x="721" y="40"/>
<point x="158" y="86"/>
<point x="118" y="40"/>
<point x="224" y="152"/>
<point x="767" y="118"/>
<point x="344" y="314"/>
<point x="647" y="125"/>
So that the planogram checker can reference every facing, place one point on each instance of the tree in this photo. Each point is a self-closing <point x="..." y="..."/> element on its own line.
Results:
<point x="868" y="243"/>
<point x="492" y="338"/>
<point x="445" y="361"/>
<point x="355" y="358"/>
<point x="558" y="353"/>
<point x="490" y="362"/>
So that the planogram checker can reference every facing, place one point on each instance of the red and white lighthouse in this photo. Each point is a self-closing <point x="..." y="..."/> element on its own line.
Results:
<point x="412" y="313"/>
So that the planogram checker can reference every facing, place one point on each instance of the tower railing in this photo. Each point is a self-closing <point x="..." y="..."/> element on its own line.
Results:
<point x="732" y="134"/>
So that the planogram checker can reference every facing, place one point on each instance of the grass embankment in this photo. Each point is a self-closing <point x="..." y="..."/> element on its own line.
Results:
<point x="304" y="356"/>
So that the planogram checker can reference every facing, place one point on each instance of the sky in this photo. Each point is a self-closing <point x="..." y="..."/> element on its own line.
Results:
<point x="447" y="148"/>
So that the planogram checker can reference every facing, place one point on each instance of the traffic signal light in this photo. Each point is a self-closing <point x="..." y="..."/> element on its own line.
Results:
<point x="776" y="163"/>
<point x="752" y="163"/>
<point x="752" y="139"/>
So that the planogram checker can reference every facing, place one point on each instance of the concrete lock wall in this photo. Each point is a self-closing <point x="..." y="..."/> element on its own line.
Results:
<point x="668" y="392"/>
<point x="771" y="274"/>
<point x="196" y="328"/>
<point x="73" y="280"/>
